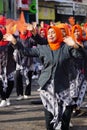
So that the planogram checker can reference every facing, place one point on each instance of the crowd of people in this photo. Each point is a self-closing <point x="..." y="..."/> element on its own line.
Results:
<point x="61" y="51"/>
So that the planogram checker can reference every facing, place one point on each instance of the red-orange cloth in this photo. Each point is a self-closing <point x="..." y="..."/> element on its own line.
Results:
<point x="77" y="26"/>
<point x="3" y="43"/>
<point x="2" y="20"/>
<point x="26" y="35"/>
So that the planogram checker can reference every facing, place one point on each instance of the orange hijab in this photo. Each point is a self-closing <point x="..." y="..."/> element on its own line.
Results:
<point x="63" y="26"/>
<point x="76" y="26"/>
<point x="56" y="45"/>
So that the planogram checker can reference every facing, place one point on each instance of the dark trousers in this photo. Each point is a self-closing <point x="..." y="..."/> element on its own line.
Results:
<point x="48" y="119"/>
<point x="28" y="87"/>
<point x="65" y="119"/>
<point x="9" y="88"/>
<point x="7" y="93"/>
<point x="19" y="83"/>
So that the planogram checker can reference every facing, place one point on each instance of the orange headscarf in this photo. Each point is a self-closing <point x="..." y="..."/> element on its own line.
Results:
<point x="56" y="45"/>
<point x="64" y="26"/>
<point x="76" y="26"/>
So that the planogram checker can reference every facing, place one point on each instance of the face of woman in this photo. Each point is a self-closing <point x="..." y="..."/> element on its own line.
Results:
<point x="76" y="33"/>
<point x="51" y="35"/>
<point x="42" y="34"/>
<point x="63" y="32"/>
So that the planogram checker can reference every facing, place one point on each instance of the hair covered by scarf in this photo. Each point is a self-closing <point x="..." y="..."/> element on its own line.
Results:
<point x="44" y="30"/>
<point x="80" y="30"/>
<point x="63" y="26"/>
<point x="57" y="43"/>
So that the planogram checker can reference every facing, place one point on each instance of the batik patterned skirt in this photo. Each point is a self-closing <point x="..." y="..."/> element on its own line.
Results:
<point x="56" y="102"/>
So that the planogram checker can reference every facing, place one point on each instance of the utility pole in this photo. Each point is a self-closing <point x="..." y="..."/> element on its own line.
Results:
<point x="4" y="8"/>
<point x="15" y="10"/>
<point x="73" y="9"/>
<point x="37" y="11"/>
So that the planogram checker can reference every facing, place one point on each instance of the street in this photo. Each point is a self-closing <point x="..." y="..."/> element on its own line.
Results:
<point x="29" y="115"/>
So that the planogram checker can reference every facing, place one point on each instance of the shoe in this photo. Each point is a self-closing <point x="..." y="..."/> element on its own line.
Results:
<point x="3" y="103"/>
<point x="86" y="106"/>
<point x="58" y="126"/>
<point x="8" y="102"/>
<point x="35" y="77"/>
<point x="77" y="113"/>
<point x="26" y="96"/>
<point x="20" y="97"/>
<point x="70" y="124"/>
<point x="39" y="89"/>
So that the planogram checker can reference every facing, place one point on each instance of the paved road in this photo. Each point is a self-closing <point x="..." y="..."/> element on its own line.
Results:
<point x="29" y="115"/>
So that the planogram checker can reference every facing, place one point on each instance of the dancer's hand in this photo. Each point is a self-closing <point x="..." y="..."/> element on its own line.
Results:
<point x="32" y="28"/>
<point x="70" y="42"/>
<point x="10" y="38"/>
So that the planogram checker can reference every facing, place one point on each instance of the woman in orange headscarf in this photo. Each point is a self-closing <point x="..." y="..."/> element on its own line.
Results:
<point x="54" y="37"/>
<point x="81" y="65"/>
<point x="64" y="29"/>
<point x="53" y="80"/>
<point x="76" y="34"/>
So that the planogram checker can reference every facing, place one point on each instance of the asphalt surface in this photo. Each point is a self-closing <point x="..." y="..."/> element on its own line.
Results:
<point x="29" y="115"/>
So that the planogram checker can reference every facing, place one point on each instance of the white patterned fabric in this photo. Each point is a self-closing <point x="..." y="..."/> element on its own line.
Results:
<point x="3" y="78"/>
<point x="56" y="103"/>
<point x="25" y="78"/>
<point x="50" y="102"/>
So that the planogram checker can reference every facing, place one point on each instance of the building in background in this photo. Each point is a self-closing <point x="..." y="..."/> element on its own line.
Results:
<point x="66" y="8"/>
<point x="84" y="1"/>
<point x="29" y="9"/>
<point x="12" y="12"/>
<point x="1" y="7"/>
<point x="8" y="8"/>
<point x="45" y="10"/>
<point x="12" y="8"/>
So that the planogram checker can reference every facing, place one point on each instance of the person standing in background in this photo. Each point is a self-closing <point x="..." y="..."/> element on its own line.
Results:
<point x="6" y="69"/>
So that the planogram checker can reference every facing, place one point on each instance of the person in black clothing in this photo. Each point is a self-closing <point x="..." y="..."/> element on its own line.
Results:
<point x="6" y="84"/>
<point x="7" y="74"/>
<point x="23" y="75"/>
